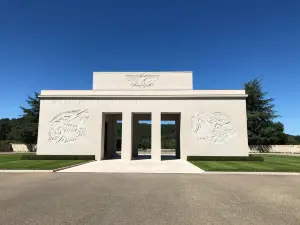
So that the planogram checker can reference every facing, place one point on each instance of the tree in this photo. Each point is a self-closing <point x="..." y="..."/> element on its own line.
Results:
<point x="32" y="113"/>
<point x="293" y="140"/>
<point x="29" y="130"/>
<point x="262" y="130"/>
<point x="276" y="132"/>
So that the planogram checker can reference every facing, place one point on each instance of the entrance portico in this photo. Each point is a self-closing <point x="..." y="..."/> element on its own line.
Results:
<point x="110" y="135"/>
<point x="207" y="122"/>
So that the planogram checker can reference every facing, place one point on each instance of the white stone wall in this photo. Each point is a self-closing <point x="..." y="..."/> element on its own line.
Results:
<point x="209" y="127"/>
<point x="19" y="148"/>
<point x="293" y="149"/>
<point x="142" y="81"/>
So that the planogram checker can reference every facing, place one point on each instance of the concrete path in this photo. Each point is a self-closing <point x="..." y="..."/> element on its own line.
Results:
<point x="148" y="199"/>
<point x="136" y="166"/>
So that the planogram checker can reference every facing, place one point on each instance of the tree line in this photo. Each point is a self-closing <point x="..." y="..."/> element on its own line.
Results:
<point x="168" y="135"/>
<point x="23" y="129"/>
<point x="262" y="121"/>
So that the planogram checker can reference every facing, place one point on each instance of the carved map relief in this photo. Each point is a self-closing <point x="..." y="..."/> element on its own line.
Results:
<point x="68" y="126"/>
<point x="216" y="128"/>
<point x="142" y="81"/>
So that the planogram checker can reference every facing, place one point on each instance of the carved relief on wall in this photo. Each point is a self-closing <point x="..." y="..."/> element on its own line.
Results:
<point x="142" y="80"/>
<point x="216" y="128"/>
<point x="68" y="126"/>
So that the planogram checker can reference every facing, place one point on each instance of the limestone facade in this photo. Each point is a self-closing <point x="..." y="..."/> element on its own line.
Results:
<point x="83" y="122"/>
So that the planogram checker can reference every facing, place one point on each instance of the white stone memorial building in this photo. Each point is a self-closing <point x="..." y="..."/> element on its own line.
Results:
<point x="83" y="122"/>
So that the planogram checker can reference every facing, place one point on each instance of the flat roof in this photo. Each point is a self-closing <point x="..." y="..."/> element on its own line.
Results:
<point x="142" y="94"/>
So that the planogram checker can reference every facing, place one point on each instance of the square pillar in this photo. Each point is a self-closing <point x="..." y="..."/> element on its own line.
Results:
<point x="156" y="136"/>
<point x="101" y="126"/>
<point x="126" y="151"/>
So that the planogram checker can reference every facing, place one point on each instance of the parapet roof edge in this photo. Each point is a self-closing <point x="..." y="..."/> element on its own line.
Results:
<point x="145" y="96"/>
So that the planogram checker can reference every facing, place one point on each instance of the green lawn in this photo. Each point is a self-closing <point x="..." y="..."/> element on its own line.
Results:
<point x="272" y="163"/>
<point x="13" y="161"/>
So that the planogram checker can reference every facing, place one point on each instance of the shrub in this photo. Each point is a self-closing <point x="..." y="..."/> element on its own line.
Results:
<point x="4" y="146"/>
<point x="225" y="158"/>
<point x="57" y="157"/>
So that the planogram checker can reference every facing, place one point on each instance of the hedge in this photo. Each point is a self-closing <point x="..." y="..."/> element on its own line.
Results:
<point x="57" y="157"/>
<point x="225" y="158"/>
<point x="4" y="146"/>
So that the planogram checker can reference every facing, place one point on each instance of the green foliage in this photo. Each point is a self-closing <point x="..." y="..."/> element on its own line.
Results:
<point x="297" y="138"/>
<point x="262" y="130"/>
<point x="225" y="158"/>
<point x="57" y="157"/>
<point x="167" y="138"/>
<point x="4" y="145"/>
<point x="4" y="128"/>
<point x="32" y="113"/>
<point x="10" y="129"/>
<point x="145" y="142"/>
<point x="25" y="128"/>
<point x="293" y="140"/>
<point x="29" y="131"/>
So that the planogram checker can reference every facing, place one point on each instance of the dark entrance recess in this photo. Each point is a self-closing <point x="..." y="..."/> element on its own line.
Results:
<point x="105" y="140"/>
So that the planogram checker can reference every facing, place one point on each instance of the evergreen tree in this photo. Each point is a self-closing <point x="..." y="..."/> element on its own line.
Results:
<point x="29" y="131"/>
<point x="260" y="112"/>
<point x="4" y="128"/>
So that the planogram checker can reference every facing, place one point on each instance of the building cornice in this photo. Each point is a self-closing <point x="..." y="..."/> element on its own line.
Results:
<point x="153" y="94"/>
<point x="217" y="96"/>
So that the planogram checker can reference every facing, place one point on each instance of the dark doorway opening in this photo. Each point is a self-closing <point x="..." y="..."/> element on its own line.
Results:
<point x="141" y="136"/>
<point x="170" y="136"/>
<point x="112" y="127"/>
<point x="105" y="140"/>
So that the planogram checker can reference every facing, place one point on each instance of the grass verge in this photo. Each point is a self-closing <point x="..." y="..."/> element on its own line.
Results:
<point x="271" y="163"/>
<point x="13" y="161"/>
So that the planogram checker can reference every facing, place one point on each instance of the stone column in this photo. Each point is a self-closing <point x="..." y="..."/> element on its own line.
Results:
<point x="156" y="136"/>
<point x="136" y="137"/>
<point x="126" y="149"/>
<point x="100" y="124"/>
<point x="177" y="127"/>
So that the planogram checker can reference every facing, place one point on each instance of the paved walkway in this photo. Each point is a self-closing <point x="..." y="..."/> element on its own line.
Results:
<point x="136" y="166"/>
<point x="148" y="199"/>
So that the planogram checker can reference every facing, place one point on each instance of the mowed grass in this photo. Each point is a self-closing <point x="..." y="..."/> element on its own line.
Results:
<point x="272" y="163"/>
<point x="13" y="161"/>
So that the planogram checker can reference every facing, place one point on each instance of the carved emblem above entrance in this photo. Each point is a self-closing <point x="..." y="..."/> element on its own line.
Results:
<point x="142" y="81"/>
<point x="68" y="126"/>
<point x="216" y="128"/>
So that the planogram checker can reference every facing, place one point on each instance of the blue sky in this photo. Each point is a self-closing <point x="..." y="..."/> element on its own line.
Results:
<point x="57" y="44"/>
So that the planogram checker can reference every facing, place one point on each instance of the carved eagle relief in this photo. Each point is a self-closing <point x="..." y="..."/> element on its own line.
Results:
<point x="68" y="126"/>
<point x="142" y="80"/>
<point x="215" y="127"/>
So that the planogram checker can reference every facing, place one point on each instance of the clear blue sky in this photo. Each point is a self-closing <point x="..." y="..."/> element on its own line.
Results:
<point x="57" y="44"/>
